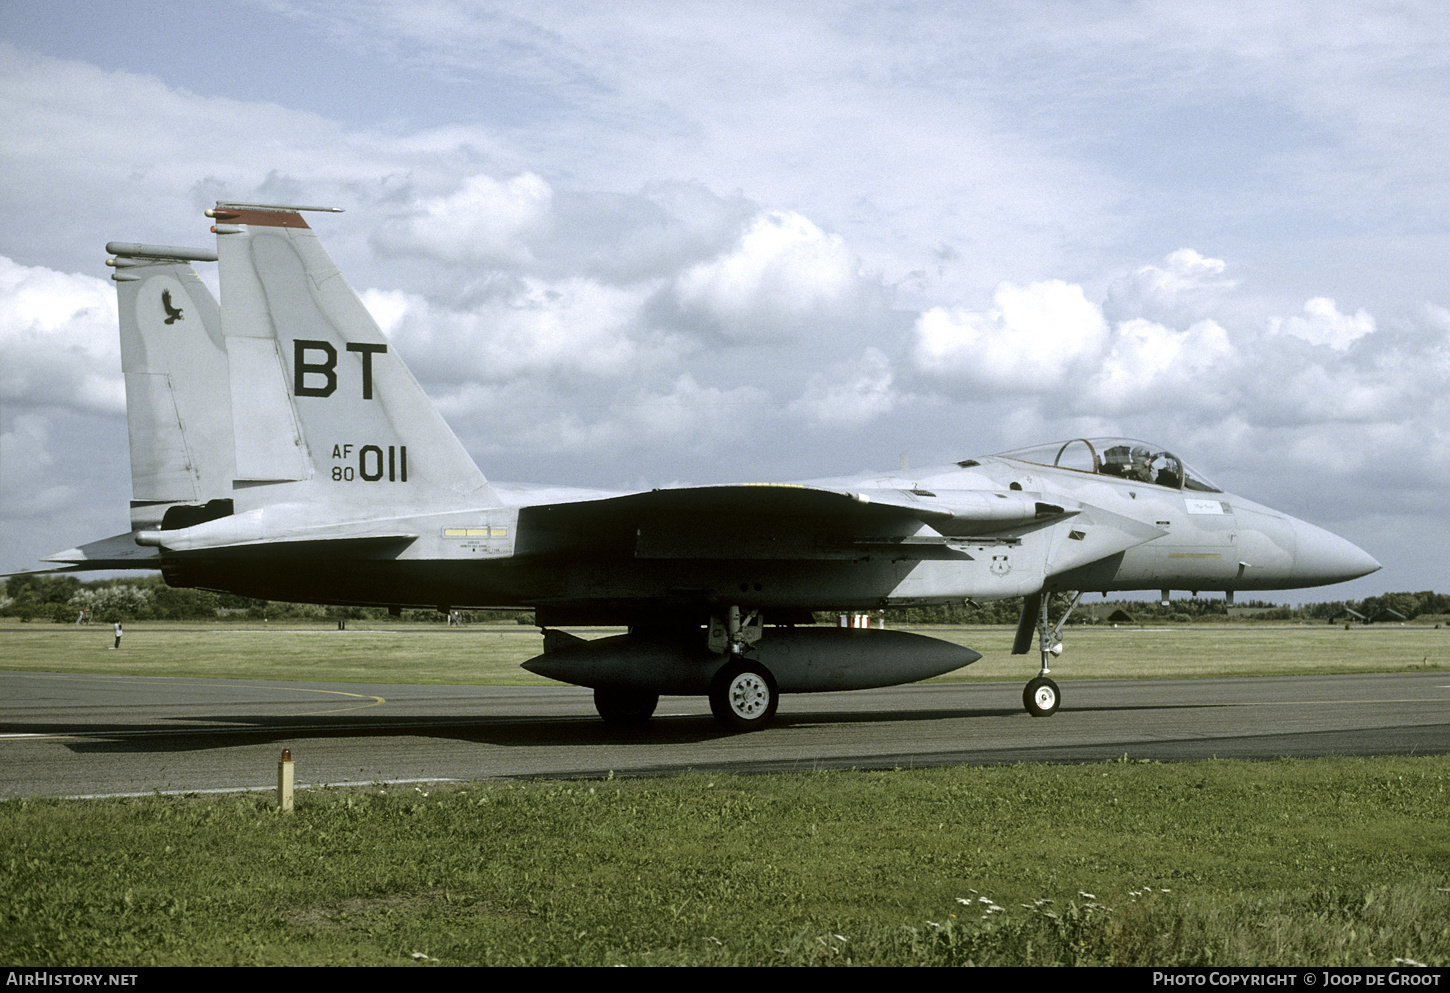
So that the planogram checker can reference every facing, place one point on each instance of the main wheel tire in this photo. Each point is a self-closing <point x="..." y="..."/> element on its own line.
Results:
<point x="1041" y="697"/>
<point x="624" y="706"/>
<point x="743" y="696"/>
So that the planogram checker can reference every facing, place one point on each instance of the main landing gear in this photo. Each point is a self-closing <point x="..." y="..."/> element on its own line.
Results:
<point x="1041" y="696"/>
<point x="743" y="694"/>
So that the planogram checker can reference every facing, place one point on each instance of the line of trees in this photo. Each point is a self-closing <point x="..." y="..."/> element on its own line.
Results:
<point x="1423" y="605"/>
<point x="62" y="598"/>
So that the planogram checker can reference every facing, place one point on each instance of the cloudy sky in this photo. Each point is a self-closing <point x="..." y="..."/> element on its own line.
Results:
<point x="629" y="245"/>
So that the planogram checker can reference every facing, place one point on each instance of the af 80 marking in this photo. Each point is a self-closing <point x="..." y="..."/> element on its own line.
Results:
<point x="374" y="463"/>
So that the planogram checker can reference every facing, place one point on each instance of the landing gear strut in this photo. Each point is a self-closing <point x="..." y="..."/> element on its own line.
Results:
<point x="1041" y="696"/>
<point x="743" y="694"/>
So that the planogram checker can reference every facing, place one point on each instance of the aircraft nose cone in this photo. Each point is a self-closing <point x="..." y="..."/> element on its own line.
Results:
<point x="1322" y="558"/>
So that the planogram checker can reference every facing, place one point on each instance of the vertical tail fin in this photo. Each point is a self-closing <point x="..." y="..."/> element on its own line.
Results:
<point x="178" y="415"/>
<point x="175" y="364"/>
<point x="322" y="406"/>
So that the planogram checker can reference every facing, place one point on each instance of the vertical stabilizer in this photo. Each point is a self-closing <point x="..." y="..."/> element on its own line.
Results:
<point x="174" y="359"/>
<point x="321" y="403"/>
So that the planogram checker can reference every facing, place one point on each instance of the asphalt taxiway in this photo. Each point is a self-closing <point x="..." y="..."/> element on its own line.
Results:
<point x="96" y="735"/>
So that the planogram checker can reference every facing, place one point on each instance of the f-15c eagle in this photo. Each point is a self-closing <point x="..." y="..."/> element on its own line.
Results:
<point x="281" y="449"/>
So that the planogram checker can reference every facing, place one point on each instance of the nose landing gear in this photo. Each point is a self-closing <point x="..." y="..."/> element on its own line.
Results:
<point x="1041" y="696"/>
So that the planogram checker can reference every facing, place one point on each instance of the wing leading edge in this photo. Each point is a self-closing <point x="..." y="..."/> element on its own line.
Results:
<point x="777" y="521"/>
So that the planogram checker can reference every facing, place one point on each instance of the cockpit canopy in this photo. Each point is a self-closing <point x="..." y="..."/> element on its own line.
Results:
<point x="1124" y="458"/>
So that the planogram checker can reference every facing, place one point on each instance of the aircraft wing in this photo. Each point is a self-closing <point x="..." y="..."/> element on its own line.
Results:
<point x="776" y="521"/>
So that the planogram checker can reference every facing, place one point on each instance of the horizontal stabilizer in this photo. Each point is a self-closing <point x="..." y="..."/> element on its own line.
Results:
<point x="252" y="531"/>
<point x="309" y="550"/>
<point x="119" y="551"/>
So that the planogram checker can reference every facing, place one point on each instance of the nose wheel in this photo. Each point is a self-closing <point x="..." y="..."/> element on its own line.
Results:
<point x="1041" y="697"/>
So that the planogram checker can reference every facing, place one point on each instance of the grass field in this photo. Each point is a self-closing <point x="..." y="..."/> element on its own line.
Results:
<point x="1323" y="862"/>
<point x="491" y="654"/>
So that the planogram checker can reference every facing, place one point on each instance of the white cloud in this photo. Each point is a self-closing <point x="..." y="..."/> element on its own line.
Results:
<point x="628" y="237"/>
<point x="1027" y="343"/>
<point x="523" y="326"/>
<point x="1148" y="365"/>
<point x="784" y="271"/>
<point x="1436" y="321"/>
<point x="387" y="307"/>
<point x="689" y="412"/>
<point x="1316" y="394"/>
<point x="83" y="170"/>
<point x="26" y="446"/>
<point x="851" y="393"/>
<point x="58" y="339"/>
<point x="25" y="451"/>
<point x="613" y="427"/>
<point x="484" y="221"/>
<point x="1325" y="325"/>
<point x="1183" y="289"/>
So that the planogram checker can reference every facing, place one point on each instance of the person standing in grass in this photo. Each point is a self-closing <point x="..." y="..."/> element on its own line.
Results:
<point x="118" y="635"/>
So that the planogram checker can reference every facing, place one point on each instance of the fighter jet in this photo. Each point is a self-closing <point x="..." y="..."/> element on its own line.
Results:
<point x="281" y="449"/>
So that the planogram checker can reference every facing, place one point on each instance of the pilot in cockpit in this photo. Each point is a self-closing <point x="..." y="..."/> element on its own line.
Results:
<point x="1135" y="463"/>
<point x="1129" y="463"/>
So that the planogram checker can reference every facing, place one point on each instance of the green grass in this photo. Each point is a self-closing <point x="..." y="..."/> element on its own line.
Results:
<point x="393" y="653"/>
<point x="1326" y="862"/>
<point x="491" y="654"/>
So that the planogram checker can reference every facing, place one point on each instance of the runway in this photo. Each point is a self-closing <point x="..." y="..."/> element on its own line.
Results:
<point x="95" y="735"/>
